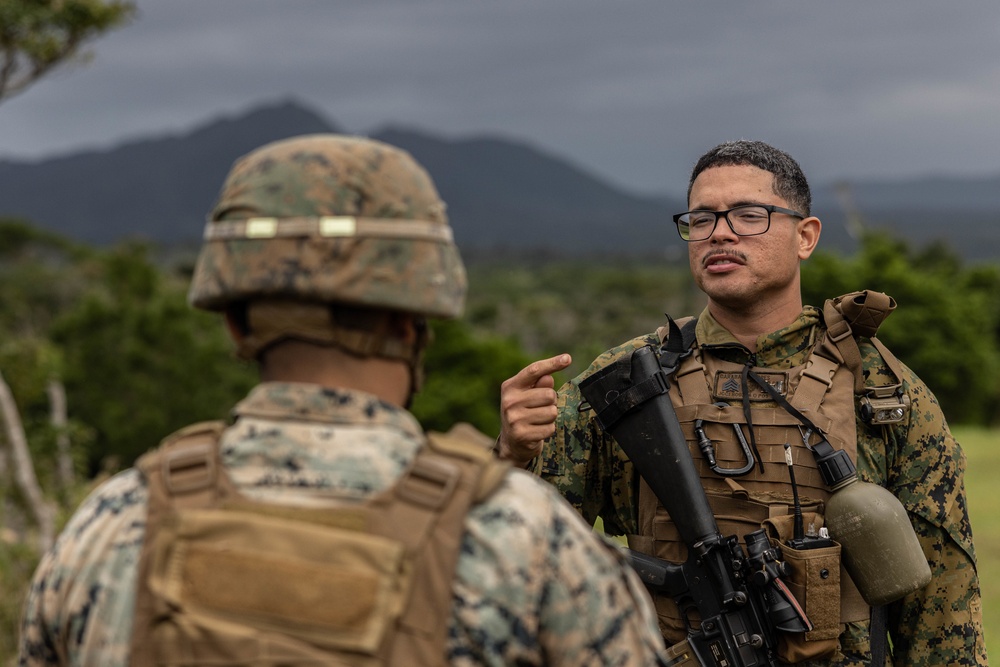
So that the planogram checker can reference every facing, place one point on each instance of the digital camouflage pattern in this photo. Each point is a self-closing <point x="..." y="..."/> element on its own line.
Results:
<point x="318" y="176"/>
<point x="918" y="460"/>
<point x="533" y="586"/>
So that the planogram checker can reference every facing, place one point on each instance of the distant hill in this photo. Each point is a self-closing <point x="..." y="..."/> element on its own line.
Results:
<point x="964" y="213"/>
<point x="159" y="189"/>
<point x="507" y="195"/>
<point x="503" y="195"/>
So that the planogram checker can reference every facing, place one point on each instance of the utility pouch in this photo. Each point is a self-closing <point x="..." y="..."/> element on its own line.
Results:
<point x="737" y="512"/>
<point x="265" y="586"/>
<point x="814" y="579"/>
<point x="225" y="580"/>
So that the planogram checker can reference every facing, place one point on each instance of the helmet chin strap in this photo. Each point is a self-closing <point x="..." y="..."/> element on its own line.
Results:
<point x="416" y="360"/>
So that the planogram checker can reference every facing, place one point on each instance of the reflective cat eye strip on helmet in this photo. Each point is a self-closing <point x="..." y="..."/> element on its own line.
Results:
<point x="327" y="227"/>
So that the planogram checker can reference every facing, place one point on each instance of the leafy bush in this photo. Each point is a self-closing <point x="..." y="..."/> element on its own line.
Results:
<point x="17" y="563"/>
<point x="141" y="363"/>
<point x="463" y="376"/>
<point x="947" y="324"/>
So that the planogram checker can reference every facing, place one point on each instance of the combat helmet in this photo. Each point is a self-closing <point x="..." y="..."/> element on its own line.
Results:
<point x="324" y="219"/>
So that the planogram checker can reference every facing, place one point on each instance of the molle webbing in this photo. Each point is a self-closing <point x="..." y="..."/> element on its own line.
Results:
<point x="177" y="478"/>
<point x="227" y="580"/>
<point x="822" y="388"/>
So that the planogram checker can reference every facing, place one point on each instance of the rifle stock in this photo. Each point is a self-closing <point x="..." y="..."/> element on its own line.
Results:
<point x="740" y="600"/>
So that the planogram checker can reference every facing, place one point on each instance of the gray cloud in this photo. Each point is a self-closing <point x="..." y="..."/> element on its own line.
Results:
<point x="632" y="91"/>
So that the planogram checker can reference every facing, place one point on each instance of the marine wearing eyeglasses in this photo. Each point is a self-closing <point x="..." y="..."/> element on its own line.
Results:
<point x="749" y="220"/>
<point x="749" y="269"/>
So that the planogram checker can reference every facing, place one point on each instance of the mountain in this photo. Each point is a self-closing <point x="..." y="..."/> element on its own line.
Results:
<point x="963" y="213"/>
<point x="504" y="196"/>
<point x="501" y="195"/>
<point x="158" y="189"/>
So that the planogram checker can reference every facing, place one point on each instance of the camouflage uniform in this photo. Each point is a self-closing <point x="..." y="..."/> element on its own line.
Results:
<point x="533" y="586"/>
<point x="325" y="239"/>
<point x="918" y="460"/>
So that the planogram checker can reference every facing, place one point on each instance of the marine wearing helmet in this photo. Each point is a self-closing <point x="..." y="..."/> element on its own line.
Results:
<point x="317" y="220"/>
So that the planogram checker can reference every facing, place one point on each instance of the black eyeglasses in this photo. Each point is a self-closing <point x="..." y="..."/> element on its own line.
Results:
<point x="743" y="220"/>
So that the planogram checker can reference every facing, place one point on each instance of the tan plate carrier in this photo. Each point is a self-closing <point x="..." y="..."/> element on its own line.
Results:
<point x="224" y="580"/>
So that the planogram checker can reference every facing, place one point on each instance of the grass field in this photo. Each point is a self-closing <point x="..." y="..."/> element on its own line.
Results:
<point x="982" y="448"/>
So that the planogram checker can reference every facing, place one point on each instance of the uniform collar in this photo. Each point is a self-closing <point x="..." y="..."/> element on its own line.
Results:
<point x="785" y="347"/>
<point x="315" y="403"/>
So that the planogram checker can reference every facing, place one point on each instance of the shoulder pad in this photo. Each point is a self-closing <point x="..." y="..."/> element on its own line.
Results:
<point x="862" y="311"/>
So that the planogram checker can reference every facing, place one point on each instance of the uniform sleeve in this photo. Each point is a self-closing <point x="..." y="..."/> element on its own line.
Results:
<point x="536" y="586"/>
<point x="585" y="464"/>
<point x="941" y="624"/>
<point x="82" y="597"/>
<point x="592" y="590"/>
<point x="924" y="466"/>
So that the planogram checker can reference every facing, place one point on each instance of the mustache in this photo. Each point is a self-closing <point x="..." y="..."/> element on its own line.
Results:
<point x="723" y="253"/>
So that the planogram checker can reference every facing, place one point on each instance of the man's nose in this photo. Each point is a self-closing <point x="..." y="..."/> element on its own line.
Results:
<point x="723" y="230"/>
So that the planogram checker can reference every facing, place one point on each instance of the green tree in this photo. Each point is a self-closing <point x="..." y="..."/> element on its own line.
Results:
<point x="578" y="306"/>
<point x="38" y="35"/>
<point x="946" y="324"/>
<point x="17" y="562"/>
<point x="463" y="375"/>
<point x="140" y="362"/>
<point x="41" y="276"/>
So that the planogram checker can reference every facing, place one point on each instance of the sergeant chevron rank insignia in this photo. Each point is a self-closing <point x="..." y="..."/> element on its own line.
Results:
<point x="727" y="385"/>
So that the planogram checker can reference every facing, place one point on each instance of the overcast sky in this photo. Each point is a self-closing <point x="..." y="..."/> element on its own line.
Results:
<point x="631" y="91"/>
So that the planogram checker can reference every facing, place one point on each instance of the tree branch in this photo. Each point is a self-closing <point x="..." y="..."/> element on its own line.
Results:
<point x="57" y="416"/>
<point x="24" y="472"/>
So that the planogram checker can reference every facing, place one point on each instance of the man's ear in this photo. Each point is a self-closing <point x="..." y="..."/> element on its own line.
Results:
<point x="809" y="230"/>
<point x="404" y="326"/>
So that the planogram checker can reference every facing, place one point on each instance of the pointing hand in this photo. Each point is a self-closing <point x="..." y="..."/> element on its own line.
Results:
<point x="528" y="410"/>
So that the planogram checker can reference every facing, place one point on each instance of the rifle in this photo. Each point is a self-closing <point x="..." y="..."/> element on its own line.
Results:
<point x="740" y="597"/>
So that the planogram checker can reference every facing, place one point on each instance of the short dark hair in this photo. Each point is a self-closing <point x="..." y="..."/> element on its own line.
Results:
<point x="789" y="182"/>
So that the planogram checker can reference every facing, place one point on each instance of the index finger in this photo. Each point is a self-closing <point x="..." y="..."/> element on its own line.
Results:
<point x="539" y="369"/>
